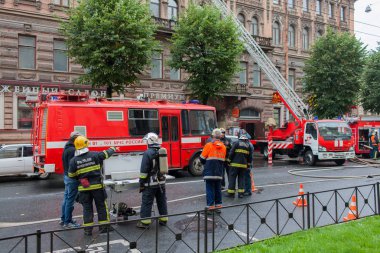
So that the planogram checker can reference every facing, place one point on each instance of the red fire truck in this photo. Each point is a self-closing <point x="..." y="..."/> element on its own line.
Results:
<point x="315" y="139"/>
<point x="182" y="128"/>
<point x="361" y="130"/>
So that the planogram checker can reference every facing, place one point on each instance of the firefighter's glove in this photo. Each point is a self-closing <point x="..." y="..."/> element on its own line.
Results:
<point x="115" y="149"/>
<point x="142" y="188"/>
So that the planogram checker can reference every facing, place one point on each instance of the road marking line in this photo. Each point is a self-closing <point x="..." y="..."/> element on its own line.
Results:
<point x="15" y="224"/>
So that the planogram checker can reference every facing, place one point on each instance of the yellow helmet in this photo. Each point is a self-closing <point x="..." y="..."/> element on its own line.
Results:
<point x="81" y="142"/>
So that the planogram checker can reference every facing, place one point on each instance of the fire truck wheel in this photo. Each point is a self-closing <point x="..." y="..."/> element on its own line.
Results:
<point x="44" y="176"/>
<point x="340" y="162"/>
<point x="309" y="158"/>
<point x="195" y="166"/>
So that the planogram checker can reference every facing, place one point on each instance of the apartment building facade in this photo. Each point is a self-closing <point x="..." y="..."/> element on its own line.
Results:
<point x="33" y="58"/>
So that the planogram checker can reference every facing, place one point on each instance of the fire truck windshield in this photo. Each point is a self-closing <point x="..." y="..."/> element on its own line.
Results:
<point x="201" y="122"/>
<point x="334" y="130"/>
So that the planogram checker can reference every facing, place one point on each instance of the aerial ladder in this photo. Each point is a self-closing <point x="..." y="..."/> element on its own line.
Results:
<point x="288" y="96"/>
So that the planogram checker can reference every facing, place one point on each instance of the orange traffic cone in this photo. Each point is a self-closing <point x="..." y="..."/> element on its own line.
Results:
<point x="299" y="201"/>
<point x="253" y="188"/>
<point x="352" y="210"/>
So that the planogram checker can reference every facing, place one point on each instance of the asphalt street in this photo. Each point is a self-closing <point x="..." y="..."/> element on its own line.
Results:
<point x="28" y="204"/>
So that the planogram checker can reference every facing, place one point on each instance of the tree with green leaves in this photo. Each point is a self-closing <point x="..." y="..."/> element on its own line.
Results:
<point x="208" y="48"/>
<point x="370" y="92"/>
<point x="113" y="40"/>
<point x="332" y="74"/>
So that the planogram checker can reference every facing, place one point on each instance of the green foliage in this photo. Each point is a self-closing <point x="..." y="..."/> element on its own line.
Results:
<point x="360" y="236"/>
<point x="332" y="74"/>
<point x="370" y="93"/>
<point x="208" y="48"/>
<point x="112" y="39"/>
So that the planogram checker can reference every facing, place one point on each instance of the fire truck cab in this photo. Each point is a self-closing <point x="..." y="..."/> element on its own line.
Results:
<point x="182" y="128"/>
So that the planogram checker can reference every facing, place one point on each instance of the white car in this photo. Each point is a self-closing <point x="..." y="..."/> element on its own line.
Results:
<point x="17" y="159"/>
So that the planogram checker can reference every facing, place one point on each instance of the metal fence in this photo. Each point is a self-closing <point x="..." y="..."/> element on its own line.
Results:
<point x="201" y="232"/>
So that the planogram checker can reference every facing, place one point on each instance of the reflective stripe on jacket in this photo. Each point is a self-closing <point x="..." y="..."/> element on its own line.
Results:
<point x="213" y="158"/>
<point x="240" y="155"/>
<point x="88" y="166"/>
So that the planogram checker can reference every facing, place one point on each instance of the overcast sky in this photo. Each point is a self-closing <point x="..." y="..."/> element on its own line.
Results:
<point x="372" y="18"/>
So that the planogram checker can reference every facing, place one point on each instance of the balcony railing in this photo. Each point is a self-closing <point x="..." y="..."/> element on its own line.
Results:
<point x="237" y="88"/>
<point x="165" y="23"/>
<point x="263" y="41"/>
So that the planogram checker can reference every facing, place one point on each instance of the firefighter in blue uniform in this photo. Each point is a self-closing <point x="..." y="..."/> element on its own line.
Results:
<point x="239" y="158"/>
<point x="152" y="183"/>
<point x="86" y="166"/>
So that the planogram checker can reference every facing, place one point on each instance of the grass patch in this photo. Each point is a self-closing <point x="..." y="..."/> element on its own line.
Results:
<point x="358" y="236"/>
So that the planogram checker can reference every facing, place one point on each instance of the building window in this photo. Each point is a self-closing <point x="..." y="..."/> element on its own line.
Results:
<point x="243" y="73"/>
<point x="156" y="65"/>
<point x="291" y="4"/>
<point x="276" y="1"/>
<point x="342" y="13"/>
<point x="256" y="75"/>
<point x="24" y="114"/>
<point x="318" y="7"/>
<point x="172" y="10"/>
<point x="255" y="27"/>
<point x="331" y="10"/>
<point x="277" y="116"/>
<point x="291" y="77"/>
<point x="155" y="8"/>
<point x="61" y="2"/>
<point x="61" y="60"/>
<point x="249" y="113"/>
<point x="276" y="33"/>
<point x="291" y="36"/>
<point x="175" y="74"/>
<point x="241" y="18"/>
<point x="319" y="33"/>
<point x="305" y="5"/>
<point x="305" y="38"/>
<point x="26" y="52"/>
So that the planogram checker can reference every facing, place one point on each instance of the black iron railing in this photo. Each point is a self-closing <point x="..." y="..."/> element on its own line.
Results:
<point x="165" y="23"/>
<point x="201" y="232"/>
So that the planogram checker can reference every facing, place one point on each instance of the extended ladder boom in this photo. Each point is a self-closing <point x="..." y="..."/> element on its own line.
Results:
<point x="294" y="102"/>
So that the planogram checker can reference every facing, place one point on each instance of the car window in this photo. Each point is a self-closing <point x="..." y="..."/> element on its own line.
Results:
<point x="28" y="151"/>
<point x="10" y="152"/>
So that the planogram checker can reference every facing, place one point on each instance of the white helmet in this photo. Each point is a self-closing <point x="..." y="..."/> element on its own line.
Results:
<point x="151" y="138"/>
<point x="243" y="137"/>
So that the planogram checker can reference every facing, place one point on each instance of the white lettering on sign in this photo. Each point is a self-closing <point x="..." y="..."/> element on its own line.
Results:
<point x="164" y="96"/>
<point x="101" y="143"/>
<point x="25" y="89"/>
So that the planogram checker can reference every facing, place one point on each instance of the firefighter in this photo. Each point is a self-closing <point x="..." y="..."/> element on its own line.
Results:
<point x="213" y="157"/>
<point x="71" y="185"/>
<point x="86" y="166"/>
<point x="227" y="142"/>
<point x="152" y="183"/>
<point x="240" y="157"/>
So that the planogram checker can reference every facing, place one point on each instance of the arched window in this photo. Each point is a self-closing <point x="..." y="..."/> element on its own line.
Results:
<point x="155" y="8"/>
<point x="249" y="113"/>
<point x="305" y="38"/>
<point x="276" y="33"/>
<point x="241" y="18"/>
<point x="291" y="36"/>
<point x="319" y="33"/>
<point x="172" y="10"/>
<point x="255" y="27"/>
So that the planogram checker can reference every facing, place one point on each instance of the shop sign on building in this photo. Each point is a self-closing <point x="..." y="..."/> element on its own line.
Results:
<point x="23" y="89"/>
<point x="164" y="96"/>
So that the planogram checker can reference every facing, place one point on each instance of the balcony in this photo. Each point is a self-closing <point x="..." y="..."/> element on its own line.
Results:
<point x="164" y="24"/>
<point x="237" y="89"/>
<point x="263" y="41"/>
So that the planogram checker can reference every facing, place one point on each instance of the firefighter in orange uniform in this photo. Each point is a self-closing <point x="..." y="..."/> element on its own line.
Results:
<point x="213" y="158"/>
<point x="374" y="144"/>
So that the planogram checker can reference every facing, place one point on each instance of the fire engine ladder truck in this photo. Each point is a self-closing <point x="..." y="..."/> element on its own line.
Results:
<point x="289" y="96"/>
